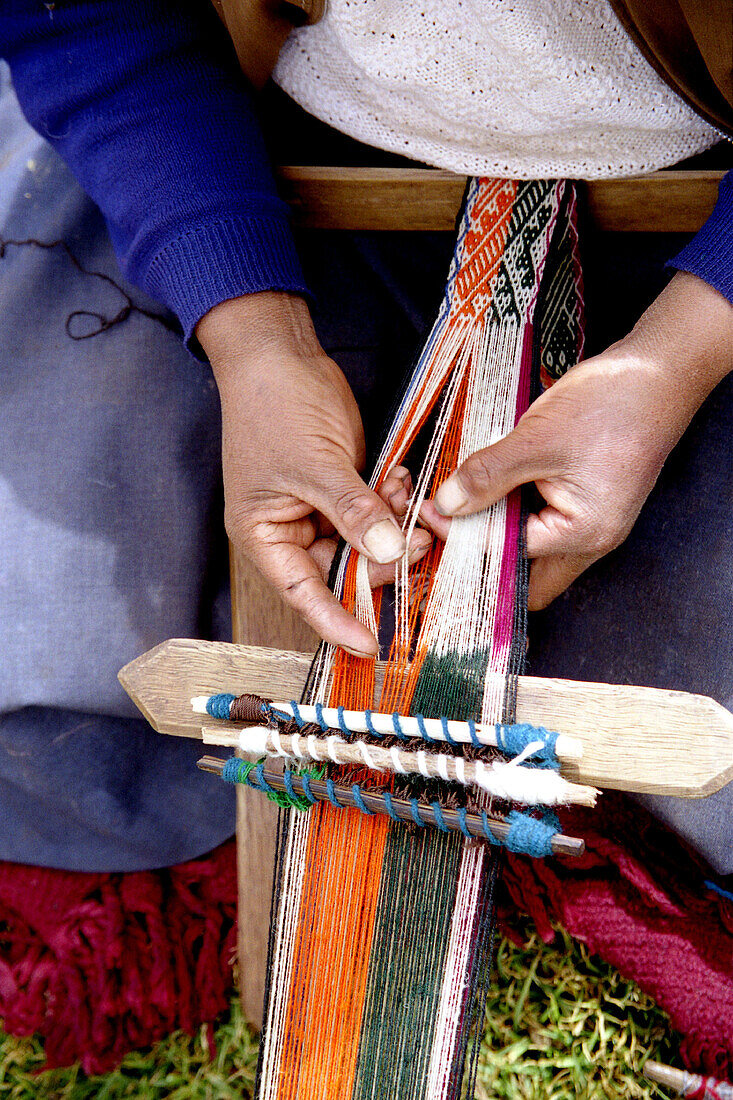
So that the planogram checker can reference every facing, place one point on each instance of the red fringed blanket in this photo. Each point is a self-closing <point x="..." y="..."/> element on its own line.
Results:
<point x="103" y="964"/>
<point x="638" y="899"/>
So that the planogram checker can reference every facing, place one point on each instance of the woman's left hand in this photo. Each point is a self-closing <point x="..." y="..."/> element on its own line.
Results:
<point x="595" y="442"/>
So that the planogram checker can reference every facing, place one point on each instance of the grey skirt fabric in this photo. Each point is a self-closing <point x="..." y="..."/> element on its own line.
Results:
<point x="112" y="537"/>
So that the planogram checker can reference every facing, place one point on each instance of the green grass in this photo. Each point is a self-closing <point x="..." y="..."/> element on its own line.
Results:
<point x="561" y="1025"/>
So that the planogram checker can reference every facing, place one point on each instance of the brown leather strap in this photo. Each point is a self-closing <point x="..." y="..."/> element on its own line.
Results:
<point x="258" y="29"/>
<point x="690" y="44"/>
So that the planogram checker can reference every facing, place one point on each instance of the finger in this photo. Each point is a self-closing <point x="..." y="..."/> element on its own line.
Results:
<point x="488" y="475"/>
<point x="433" y="520"/>
<point x="550" y="532"/>
<point x="358" y="514"/>
<point x="295" y="575"/>
<point x="396" y="490"/>
<point x="323" y="550"/>
<point x="549" y="577"/>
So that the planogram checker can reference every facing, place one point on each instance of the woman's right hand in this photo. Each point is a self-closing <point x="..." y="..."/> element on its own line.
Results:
<point x="292" y="445"/>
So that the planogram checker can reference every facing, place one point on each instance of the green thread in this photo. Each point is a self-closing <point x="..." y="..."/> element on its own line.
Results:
<point x="238" y="771"/>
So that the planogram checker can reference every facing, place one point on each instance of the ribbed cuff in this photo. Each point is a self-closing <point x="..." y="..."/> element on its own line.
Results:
<point x="224" y="259"/>
<point x="709" y="255"/>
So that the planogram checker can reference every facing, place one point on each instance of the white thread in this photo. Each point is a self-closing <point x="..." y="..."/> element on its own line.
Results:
<point x="254" y="740"/>
<point x="441" y="763"/>
<point x="465" y="610"/>
<point x="331" y="745"/>
<point x="527" y="751"/>
<point x="277" y="741"/>
<point x="399" y="767"/>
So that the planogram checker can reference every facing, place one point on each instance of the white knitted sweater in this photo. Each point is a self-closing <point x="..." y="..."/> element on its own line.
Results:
<point x="518" y="88"/>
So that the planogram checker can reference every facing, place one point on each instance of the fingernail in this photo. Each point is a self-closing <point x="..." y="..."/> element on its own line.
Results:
<point x="450" y="497"/>
<point x="358" y="653"/>
<point x="419" y="545"/>
<point x="384" y="542"/>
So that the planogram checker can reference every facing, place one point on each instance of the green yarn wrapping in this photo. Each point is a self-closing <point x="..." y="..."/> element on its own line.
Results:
<point x="280" y="798"/>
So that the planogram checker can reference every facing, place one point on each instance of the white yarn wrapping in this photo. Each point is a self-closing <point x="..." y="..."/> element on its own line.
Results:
<point x="509" y="781"/>
<point x="528" y="90"/>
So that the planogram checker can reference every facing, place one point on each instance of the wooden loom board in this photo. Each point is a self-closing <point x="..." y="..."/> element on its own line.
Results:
<point x="163" y="681"/>
<point x="639" y="739"/>
<point x="261" y="618"/>
<point x="604" y="717"/>
<point x="671" y="201"/>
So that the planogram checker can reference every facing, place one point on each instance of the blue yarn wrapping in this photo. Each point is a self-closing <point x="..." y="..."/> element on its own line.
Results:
<point x="492" y="839"/>
<point x="307" y="789"/>
<point x="233" y="769"/>
<point x="439" y="819"/>
<point x="296" y="713"/>
<point x="514" y="739"/>
<point x="390" y="808"/>
<point x="260" y="773"/>
<point x="423" y="730"/>
<point x="218" y="706"/>
<point x="398" y="727"/>
<point x="331" y="790"/>
<point x="281" y="716"/>
<point x="415" y="811"/>
<point x="356" y="791"/>
<point x="447" y="734"/>
<point x="342" y="724"/>
<point x="531" y="836"/>
<point x="288" y="781"/>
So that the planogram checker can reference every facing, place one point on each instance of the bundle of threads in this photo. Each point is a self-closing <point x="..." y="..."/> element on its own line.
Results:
<point x="381" y="938"/>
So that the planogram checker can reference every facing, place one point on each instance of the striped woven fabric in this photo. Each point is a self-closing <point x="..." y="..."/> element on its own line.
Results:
<point x="380" y="944"/>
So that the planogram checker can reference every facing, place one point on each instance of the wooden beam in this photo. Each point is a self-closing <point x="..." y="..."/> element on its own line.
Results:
<point x="640" y="739"/>
<point x="259" y="617"/>
<point x="430" y="199"/>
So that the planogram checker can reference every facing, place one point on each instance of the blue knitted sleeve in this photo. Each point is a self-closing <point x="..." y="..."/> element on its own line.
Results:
<point x="709" y="254"/>
<point x="146" y="104"/>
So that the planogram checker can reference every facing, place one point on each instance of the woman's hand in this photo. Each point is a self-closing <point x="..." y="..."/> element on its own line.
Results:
<point x="595" y="442"/>
<point x="292" y="445"/>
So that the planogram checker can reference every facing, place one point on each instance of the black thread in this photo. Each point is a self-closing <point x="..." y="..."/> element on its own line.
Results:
<point x="103" y="323"/>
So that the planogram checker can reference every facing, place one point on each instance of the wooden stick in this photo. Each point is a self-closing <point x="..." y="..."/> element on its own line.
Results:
<point x="687" y="1084"/>
<point x="430" y="199"/>
<point x="356" y="721"/>
<point x="634" y="738"/>
<point x="561" y="845"/>
<point x="511" y="782"/>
